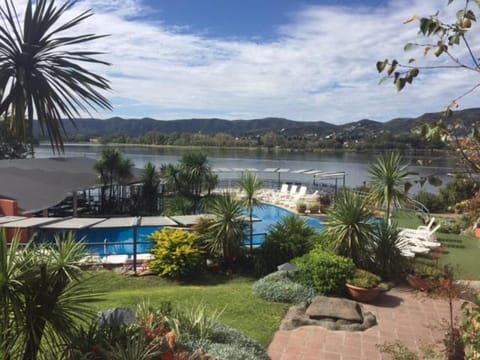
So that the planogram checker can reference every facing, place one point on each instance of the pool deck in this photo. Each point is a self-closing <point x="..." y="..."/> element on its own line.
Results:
<point x="403" y="315"/>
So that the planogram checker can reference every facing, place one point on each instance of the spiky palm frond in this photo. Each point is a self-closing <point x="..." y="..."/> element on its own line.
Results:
<point x="350" y="227"/>
<point x="40" y="69"/>
<point x="387" y="181"/>
<point x="226" y="229"/>
<point x="250" y="185"/>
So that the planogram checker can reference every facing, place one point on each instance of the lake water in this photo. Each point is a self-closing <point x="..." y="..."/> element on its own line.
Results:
<point x="354" y="164"/>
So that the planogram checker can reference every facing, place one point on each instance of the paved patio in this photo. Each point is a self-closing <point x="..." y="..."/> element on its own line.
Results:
<point x="402" y="314"/>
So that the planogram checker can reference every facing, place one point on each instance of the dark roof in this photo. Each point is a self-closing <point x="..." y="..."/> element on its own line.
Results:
<point x="38" y="184"/>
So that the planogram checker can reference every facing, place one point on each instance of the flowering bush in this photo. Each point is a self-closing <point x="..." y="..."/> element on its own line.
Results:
<point x="177" y="253"/>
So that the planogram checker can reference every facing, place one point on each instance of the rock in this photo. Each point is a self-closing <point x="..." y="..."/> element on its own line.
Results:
<point x="297" y="315"/>
<point x="336" y="308"/>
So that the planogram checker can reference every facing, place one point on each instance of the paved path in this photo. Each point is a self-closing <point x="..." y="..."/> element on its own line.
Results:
<point x="402" y="314"/>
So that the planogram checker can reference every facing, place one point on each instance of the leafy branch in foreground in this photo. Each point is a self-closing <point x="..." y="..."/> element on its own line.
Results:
<point x="450" y="42"/>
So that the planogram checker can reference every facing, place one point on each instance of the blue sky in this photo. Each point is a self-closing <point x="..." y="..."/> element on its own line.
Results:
<point x="242" y="59"/>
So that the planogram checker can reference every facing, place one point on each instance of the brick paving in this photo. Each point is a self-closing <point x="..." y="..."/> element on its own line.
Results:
<point x="402" y="314"/>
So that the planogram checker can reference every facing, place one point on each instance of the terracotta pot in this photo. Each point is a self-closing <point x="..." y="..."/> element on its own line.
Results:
<point x="419" y="283"/>
<point x="363" y="294"/>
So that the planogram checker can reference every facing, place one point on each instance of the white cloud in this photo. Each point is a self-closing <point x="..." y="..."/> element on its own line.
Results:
<point x="321" y="67"/>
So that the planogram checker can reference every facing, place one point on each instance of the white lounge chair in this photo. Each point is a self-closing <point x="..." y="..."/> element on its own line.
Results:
<point x="427" y="227"/>
<point x="419" y="241"/>
<point x="405" y="244"/>
<point x="301" y="193"/>
<point x="422" y="234"/>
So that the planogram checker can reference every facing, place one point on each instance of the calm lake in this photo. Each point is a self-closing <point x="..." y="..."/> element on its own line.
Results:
<point x="355" y="165"/>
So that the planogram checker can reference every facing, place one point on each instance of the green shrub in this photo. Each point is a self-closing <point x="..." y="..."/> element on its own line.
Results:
<point x="462" y="187"/>
<point x="364" y="279"/>
<point x="325" y="272"/>
<point x="450" y="226"/>
<point x="427" y="271"/>
<point x="288" y="239"/>
<point x="279" y="287"/>
<point x="314" y="207"/>
<point x="433" y="202"/>
<point x="177" y="253"/>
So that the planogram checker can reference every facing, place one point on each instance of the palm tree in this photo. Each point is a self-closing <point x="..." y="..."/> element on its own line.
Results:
<point x="150" y="184"/>
<point x="194" y="169"/>
<point x="112" y="168"/>
<point x="40" y="75"/>
<point x="250" y="184"/>
<point x="350" y="228"/>
<point x="226" y="230"/>
<point x="388" y="177"/>
<point x="41" y="297"/>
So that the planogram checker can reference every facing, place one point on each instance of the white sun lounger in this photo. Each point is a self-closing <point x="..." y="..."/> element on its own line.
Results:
<point x="405" y="244"/>
<point x="427" y="227"/>
<point x="422" y="234"/>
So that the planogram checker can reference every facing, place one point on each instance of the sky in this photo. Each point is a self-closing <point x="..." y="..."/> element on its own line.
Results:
<point x="305" y="60"/>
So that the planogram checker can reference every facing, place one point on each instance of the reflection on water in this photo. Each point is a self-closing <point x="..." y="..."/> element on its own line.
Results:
<point x="354" y="164"/>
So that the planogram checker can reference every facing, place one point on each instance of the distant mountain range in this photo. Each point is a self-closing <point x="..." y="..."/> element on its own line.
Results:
<point x="139" y="127"/>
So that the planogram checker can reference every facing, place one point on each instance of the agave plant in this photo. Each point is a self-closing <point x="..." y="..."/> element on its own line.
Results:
<point x="40" y="71"/>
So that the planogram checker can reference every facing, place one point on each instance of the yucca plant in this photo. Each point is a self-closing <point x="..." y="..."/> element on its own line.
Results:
<point x="350" y="228"/>
<point x="226" y="229"/>
<point x="40" y="69"/>
<point x="42" y="297"/>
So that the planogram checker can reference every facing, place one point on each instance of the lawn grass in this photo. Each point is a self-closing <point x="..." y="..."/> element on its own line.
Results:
<point x="242" y="310"/>
<point x="460" y="251"/>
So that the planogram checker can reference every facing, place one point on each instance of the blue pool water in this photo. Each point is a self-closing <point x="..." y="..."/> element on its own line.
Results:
<point x="120" y="240"/>
<point x="270" y="215"/>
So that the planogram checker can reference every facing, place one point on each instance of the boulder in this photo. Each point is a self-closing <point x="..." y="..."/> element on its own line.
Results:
<point x="323" y="307"/>
<point x="330" y="313"/>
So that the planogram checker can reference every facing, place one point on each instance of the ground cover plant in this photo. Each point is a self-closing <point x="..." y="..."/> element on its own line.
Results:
<point x="243" y="310"/>
<point x="281" y="286"/>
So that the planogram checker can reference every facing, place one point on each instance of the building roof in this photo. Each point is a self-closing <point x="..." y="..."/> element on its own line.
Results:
<point x="38" y="184"/>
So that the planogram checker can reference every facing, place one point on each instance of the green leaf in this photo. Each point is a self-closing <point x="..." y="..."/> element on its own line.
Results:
<point x="454" y="39"/>
<point x="470" y="15"/>
<point x="438" y="51"/>
<point x="400" y="84"/>
<point x="411" y="60"/>
<point x="449" y="2"/>
<point x="381" y="65"/>
<point x="460" y="15"/>
<point x="409" y="46"/>
<point x="424" y="23"/>
<point x="414" y="72"/>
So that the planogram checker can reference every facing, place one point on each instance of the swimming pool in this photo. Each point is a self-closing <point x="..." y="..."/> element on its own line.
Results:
<point x="270" y="215"/>
<point x="113" y="241"/>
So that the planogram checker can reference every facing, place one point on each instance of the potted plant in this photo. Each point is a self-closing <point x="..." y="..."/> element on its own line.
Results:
<point x="314" y="207"/>
<point x="424" y="277"/>
<point x="363" y="286"/>
<point x="325" y="201"/>
<point x="301" y="207"/>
